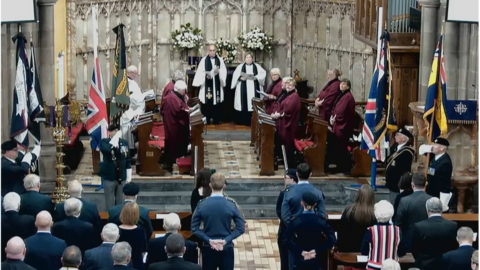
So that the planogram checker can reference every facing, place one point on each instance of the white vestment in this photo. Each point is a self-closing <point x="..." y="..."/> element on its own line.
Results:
<point x="237" y="84"/>
<point x="199" y="79"/>
<point x="137" y="107"/>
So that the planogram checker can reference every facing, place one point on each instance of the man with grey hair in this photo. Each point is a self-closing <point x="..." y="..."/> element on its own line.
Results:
<point x="175" y="248"/>
<point x="475" y="260"/>
<point x="433" y="237"/>
<point x="101" y="256"/>
<point x="460" y="258"/>
<point x="390" y="264"/>
<point x="121" y="255"/>
<point x="177" y="76"/>
<point x="71" y="258"/>
<point x="89" y="212"/>
<point x="73" y="230"/>
<point x="32" y="201"/>
<point x="15" y="251"/>
<point x="156" y="246"/>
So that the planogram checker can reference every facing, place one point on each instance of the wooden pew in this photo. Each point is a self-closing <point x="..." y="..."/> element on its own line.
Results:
<point x="256" y="102"/>
<point x="149" y="154"/>
<point x="157" y="220"/>
<point x="362" y="160"/>
<point x="150" y="104"/>
<point x="267" y="144"/>
<point x="196" y="122"/>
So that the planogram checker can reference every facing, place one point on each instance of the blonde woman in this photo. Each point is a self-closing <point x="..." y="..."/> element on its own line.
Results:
<point x="274" y="90"/>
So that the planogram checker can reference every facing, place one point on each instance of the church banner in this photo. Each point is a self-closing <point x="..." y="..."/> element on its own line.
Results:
<point x="462" y="111"/>
<point x="120" y="94"/>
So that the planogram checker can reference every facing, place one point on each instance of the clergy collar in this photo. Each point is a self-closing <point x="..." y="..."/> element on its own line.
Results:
<point x="249" y="64"/>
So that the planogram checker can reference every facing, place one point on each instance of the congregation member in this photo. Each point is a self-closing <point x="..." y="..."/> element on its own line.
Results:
<point x="327" y="96"/>
<point x="101" y="257"/>
<point x="44" y="250"/>
<point x="116" y="167"/>
<point x="176" y="120"/>
<point x="398" y="162"/>
<point x="460" y="259"/>
<point x="71" y="258"/>
<point x="405" y="188"/>
<point x="440" y="172"/>
<point x="291" y="206"/>
<point x="156" y="246"/>
<point x="211" y="77"/>
<point x="475" y="260"/>
<point x="176" y="249"/>
<point x="14" y="224"/>
<point x="433" y="237"/>
<point x="355" y="221"/>
<point x="121" y="254"/>
<point x="133" y="234"/>
<point x="341" y="125"/>
<point x="390" y="264"/>
<point x="32" y="201"/>
<point x="22" y="150"/>
<point x="274" y="90"/>
<point x="15" y="250"/>
<point x="247" y="79"/>
<point x="89" y="212"/>
<point x="74" y="231"/>
<point x="216" y="213"/>
<point x="287" y="117"/>
<point x="202" y="188"/>
<point x="13" y="173"/>
<point x="306" y="235"/>
<point x="169" y="88"/>
<point x="130" y="192"/>
<point x="290" y="179"/>
<point x="389" y="245"/>
<point x="411" y="209"/>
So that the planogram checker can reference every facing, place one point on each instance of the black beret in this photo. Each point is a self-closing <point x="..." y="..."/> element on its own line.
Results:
<point x="131" y="189"/>
<point x="112" y="127"/>
<point x="442" y="141"/>
<point x="293" y="174"/>
<point x="405" y="132"/>
<point x="309" y="198"/>
<point x="9" y="145"/>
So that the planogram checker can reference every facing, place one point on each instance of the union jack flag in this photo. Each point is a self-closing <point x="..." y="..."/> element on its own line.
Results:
<point x="97" y="122"/>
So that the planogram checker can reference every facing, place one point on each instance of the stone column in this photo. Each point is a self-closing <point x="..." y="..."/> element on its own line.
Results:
<point x="451" y="47"/>
<point x="428" y="42"/>
<point x="47" y="63"/>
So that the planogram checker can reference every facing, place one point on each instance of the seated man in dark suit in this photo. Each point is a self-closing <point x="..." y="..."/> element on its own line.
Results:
<point x="14" y="224"/>
<point x="89" y="210"/>
<point x="15" y="254"/>
<point x="121" y="255"/>
<point x="460" y="259"/>
<point x="74" y="231"/>
<point x="411" y="209"/>
<point x="156" y="247"/>
<point x="71" y="258"/>
<point x="32" y="201"/>
<point x="175" y="248"/>
<point x="44" y="249"/>
<point x="130" y="192"/>
<point x="433" y="237"/>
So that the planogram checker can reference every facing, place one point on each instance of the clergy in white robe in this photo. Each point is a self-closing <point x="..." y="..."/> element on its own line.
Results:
<point x="248" y="78"/>
<point x="210" y="76"/>
<point x="137" y="107"/>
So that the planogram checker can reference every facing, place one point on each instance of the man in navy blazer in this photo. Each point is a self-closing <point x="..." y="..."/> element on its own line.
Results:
<point x="175" y="247"/>
<point x="460" y="259"/>
<point x="122" y="256"/>
<point x="44" y="250"/>
<point x="32" y="201"/>
<point x="156" y="246"/>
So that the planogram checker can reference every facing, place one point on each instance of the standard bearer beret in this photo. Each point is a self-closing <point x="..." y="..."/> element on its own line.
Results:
<point x="9" y="145"/>
<point x="405" y="132"/>
<point x="442" y="141"/>
<point x="131" y="189"/>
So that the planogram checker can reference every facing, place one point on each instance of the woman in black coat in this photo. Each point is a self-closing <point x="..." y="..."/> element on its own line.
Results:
<point x="202" y="189"/>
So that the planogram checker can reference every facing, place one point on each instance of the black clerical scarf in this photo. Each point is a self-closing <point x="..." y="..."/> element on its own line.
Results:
<point x="284" y="95"/>
<point x="182" y="98"/>
<point x="209" y="82"/>
<point x="272" y="85"/>
<point x="243" y="87"/>
<point x="339" y="97"/>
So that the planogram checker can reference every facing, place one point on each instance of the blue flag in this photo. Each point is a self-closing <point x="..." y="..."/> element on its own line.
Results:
<point x="35" y="100"/>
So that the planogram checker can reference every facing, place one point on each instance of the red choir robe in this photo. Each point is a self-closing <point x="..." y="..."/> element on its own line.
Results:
<point x="168" y="88"/>
<point x="275" y="88"/>
<point x="176" y="120"/>
<point x="328" y="94"/>
<point x="288" y="124"/>
<point x="344" y="112"/>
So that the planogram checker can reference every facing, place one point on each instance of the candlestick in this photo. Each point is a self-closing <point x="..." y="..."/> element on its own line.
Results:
<point x="61" y="74"/>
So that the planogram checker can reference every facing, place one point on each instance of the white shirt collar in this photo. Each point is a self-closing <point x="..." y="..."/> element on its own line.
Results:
<point x="302" y="182"/>
<point x="435" y="215"/>
<point x="11" y="160"/>
<point x="113" y="243"/>
<point x="439" y="156"/>
<point x="43" y="231"/>
<point x="465" y="244"/>
<point x="400" y="146"/>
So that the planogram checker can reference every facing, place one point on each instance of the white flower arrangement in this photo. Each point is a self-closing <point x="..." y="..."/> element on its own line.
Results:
<point x="187" y="38"/>
<point x="256" y="40"/>
<point x="230" y="50"/>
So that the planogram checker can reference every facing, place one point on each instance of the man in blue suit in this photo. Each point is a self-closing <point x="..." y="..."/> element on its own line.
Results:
<point x="44" y="249"/>
<point x="460" y="259"/>
<point x="291" y="206"/>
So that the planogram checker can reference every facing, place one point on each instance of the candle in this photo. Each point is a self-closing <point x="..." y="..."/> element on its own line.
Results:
<point x="61" y="75"/>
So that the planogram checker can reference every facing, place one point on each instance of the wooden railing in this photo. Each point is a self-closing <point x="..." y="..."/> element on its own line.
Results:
<point x="396" y="14"/>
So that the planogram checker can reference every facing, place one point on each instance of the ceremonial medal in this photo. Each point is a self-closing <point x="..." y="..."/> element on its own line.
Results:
<point x="209" y="95"/>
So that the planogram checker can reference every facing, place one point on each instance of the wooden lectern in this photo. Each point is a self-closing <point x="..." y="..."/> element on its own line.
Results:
<point x="196" y="133"/>
<point x="148" y="155"/>
<point x="267" y="144"/>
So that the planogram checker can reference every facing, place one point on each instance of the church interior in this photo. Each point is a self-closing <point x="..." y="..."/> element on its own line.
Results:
<point x="309" y="38"/>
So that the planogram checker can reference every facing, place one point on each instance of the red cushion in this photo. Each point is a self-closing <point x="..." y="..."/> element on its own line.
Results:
<point x="301" y="145"/>
<point x="350" y="148"/>
<point x="76" y="130"/>
<point x="158" y="144"/>
<point x="184" y="162"/>
<point x="157" y="124"/>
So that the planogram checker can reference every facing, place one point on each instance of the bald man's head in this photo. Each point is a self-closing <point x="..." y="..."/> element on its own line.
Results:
<point x="44" y="221"/>
<point x="15" y="248"/>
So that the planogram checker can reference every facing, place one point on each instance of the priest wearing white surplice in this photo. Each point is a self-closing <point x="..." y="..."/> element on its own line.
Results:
<point x="211" y="76"/>
<point x="248" y="78"/>
<point x="137" y="107"/>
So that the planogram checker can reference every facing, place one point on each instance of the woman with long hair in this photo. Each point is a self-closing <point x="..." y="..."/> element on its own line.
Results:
<point x="202" y="189"/>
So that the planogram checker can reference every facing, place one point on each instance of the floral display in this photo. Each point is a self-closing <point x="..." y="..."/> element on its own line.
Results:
<point x="187" y="38"/>
<point x="227" y="50"/>
<point x="256" y="40"/>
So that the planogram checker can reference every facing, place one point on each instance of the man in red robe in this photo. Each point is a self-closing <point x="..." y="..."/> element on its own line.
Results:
<point x="342" y="123"/>
<point x="177" y="76"/>
<point x="287" y="117"/>
<point x="274" y="90"/>
<point x="176" y="119"/>
<point x="326" y="98"/>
